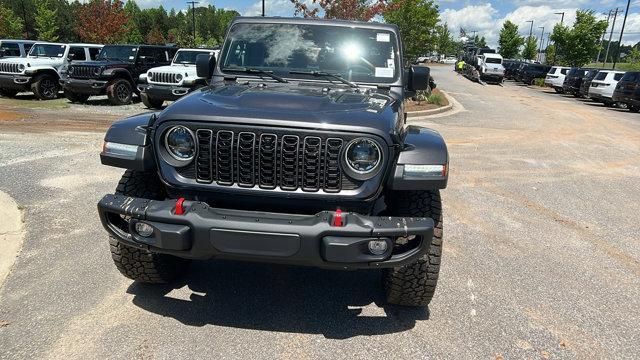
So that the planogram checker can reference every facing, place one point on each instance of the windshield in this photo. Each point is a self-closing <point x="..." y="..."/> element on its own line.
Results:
<point x="356" y="54"/>
<point x="48" y="50"/>
<point x="187" y="56"/>
<point x="601" y="75"/>
<point x="120" y="53"/>
<point x="493" y="60"/>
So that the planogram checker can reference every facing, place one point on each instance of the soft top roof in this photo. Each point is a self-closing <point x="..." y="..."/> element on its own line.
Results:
<point x="326" y="22"/>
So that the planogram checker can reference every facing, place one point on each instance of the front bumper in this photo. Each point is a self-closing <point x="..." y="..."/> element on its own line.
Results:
<point x="82" y="86"/>
<point x="203" y="232"/>
<point x="15" y="82"/>
<point x="492" y="77"/>
<point x="164" y="92"/>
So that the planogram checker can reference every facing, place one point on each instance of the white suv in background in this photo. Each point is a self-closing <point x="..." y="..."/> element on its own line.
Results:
<point x="173" y="81"/>
<point x="603" y="85"/>
<point x="555" y="78"/>
<point x="40" y="71"/>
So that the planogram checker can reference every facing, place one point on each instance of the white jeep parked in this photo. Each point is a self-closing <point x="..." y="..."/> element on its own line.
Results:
<point x="40" y="71"/>
<point x="491" y="69"/>
<point x="173" y="81"/>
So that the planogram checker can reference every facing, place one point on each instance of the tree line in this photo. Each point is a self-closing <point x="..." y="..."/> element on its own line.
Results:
<point x="111" y="21"/>
<point x="575" y="45"/>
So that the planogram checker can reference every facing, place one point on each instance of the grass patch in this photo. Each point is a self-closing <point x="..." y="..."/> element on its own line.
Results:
<point x="30" y="102"/>
<point x="619" y="66"/>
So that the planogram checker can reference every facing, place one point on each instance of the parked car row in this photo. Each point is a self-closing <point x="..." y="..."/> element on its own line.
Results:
<point x="524" y="72"/>
<point x="155" y="73"/>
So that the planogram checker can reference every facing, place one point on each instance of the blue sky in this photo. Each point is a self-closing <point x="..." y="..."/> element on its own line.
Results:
<point x="484" y="16"/>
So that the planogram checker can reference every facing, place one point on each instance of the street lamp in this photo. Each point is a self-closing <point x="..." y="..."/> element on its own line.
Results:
<point x="561" y="19"/>
<point x="541" y="42"/>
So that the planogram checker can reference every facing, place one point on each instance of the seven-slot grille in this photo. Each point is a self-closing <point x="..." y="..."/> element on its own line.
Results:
<point x="83" y="72"/>
<point x="268" y="160"/>
<point x="9" y="68"/>
<point x="164" y="78"/>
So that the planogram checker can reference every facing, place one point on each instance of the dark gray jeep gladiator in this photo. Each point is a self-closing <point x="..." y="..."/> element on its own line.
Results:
<point x="297" y="152"/>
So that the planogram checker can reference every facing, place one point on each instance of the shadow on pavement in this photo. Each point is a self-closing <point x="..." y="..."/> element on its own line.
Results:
<point x="279" y="298"/>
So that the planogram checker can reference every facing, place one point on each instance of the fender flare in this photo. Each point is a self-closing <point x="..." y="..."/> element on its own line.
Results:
<point x="127" y="144"/>
<point x="34" y="72"/>
<point x="421" y="146"/>
<point x="119" y="73"/>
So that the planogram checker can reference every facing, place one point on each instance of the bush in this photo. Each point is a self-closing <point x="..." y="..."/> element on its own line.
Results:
<point x="436" y="98"/>
<point x="539" y="82"/>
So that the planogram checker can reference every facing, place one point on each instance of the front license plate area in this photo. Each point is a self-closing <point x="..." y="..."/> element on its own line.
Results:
<point x="255" y="243"/>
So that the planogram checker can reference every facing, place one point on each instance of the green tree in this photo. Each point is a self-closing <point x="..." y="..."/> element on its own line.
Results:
<point x="480" y="41"/>
<point x="417" y="20"/>
<point x="445" y="41"/>
<point x="10" y="25"/>
<point x="46" y="21"/>
<point x="530" y="48"/>
<point x="578" y="45"/>
<point x="510" y="41"/>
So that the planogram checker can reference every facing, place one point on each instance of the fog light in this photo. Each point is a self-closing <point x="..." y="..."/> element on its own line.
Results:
<point x="144" y="229"/>
<point x="377" y="247"/>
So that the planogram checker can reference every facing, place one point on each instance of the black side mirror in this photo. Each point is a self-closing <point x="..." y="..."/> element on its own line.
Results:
<point x="205" y="64"/>
<point x="1" y="52"/>
<point x="70" y="57"/>
<point x="418" y="78"/>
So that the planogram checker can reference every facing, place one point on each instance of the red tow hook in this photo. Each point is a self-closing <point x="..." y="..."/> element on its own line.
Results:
<point x="337" y="218"/>
<point x="180" y="206"/>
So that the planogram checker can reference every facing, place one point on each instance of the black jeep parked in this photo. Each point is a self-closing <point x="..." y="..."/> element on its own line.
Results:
<point x="115" y="72"/>
<point x="628" y="91"/>
<point x="294" y="155"/>
<point x="573" y="81"/>
<point x="586" y="82"/>
<point x="530" y="72"/>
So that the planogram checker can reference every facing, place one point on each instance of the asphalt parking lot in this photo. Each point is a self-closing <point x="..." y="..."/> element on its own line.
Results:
<point x="541" y="251"/>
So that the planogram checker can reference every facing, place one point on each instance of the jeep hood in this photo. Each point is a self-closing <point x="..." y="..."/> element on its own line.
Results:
<point x="291" y="104"/>
<point x="33" y="61"/>
<point x="105" y="63"/>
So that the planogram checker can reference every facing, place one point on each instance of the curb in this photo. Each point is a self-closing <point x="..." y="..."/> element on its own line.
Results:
<point x="440" y="110"/>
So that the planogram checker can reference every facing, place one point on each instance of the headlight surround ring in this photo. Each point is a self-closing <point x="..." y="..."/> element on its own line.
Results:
<point x="179" y="139"/>
<point x="97" y="71"/>
<point x="21" y="67"/>
<point x="355" y="162"/>
<point x="178" y="77"/>
<point x="70" y="70"/>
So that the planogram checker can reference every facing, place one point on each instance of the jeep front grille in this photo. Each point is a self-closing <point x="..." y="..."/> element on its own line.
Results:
<point x="269" y="160"/>
<point x="83" y="72"/>
<point x="9" y="68"/>
<point x="163" y="78"/>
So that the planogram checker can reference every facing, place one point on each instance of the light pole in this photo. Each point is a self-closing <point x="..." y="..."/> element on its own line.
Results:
<point x="603" y="34"/>
<point x="193" y="16"/>
<point x="541" y="42"/>
<point x="530" y="35"/>
<point x="624" y="22"/>
<point x="555" y="53"/>
<point x="262" y="8"/>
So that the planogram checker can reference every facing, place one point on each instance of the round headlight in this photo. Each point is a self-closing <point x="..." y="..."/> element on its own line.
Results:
<point x="21" y="67"/>
<point x="178" y="77"/>
<point x="97" y="71"/>
<point x="363" y="157"/>
<point x="180" y="143"/>
<point x="70" y="70"/>
<point x="150" y="76"/>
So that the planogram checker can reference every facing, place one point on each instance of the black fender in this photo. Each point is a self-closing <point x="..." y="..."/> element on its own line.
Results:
<point x="119" y="73"/>
<point x="127" y="144"/>
<point x="420" y="146"/>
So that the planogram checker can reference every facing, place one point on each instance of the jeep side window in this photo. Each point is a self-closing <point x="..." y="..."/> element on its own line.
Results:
<point x="93" y="53"/>
<point x="160" y="56"/>
<point x="145" y="55"/>
<point x="564" y="71"/>
<point x="11" y="49"/>
<point x="77" y="54"/>
<point x="618" y="76"/>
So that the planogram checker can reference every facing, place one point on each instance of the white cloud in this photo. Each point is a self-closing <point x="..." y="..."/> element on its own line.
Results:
<point x="272" y="8"/>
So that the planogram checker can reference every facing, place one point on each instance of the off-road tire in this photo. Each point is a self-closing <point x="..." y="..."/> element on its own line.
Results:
<point x="415" y="284"/>
<point x="120" y="92"/>
<point x="150" y="102"/>
<point x="45" y="87"/>
<point x="75" y="97"/>
<point x="137" y="263"/>
<point x="8" y="93"/>
<point x="633" y="108"/>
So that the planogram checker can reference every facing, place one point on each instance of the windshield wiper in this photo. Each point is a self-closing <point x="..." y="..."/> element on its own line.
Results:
<point x="325" y="74"/>
<point x="256" y="71"/>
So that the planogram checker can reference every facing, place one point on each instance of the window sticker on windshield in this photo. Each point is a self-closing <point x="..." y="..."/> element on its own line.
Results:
<point x="382" y="37"/>
<point x="384" y="72"/>
<point x="390" y="63"/>
<point x="60" y="54"/>
<point x="131" y="57"/>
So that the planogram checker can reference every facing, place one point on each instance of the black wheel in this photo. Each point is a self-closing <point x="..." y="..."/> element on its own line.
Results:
<point x="608" y="103"/>
<point x="75" y="97"/>
<point x="120" y="92"/>
<point x="415" y="284"/>
<point x="141" y="264"/>
<point x="559" y="91"/>
<point x="633" y="108"/>
<point x="150" y="102"/>
<point x="8" y="93"/>
<point x="45" y="87"/>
